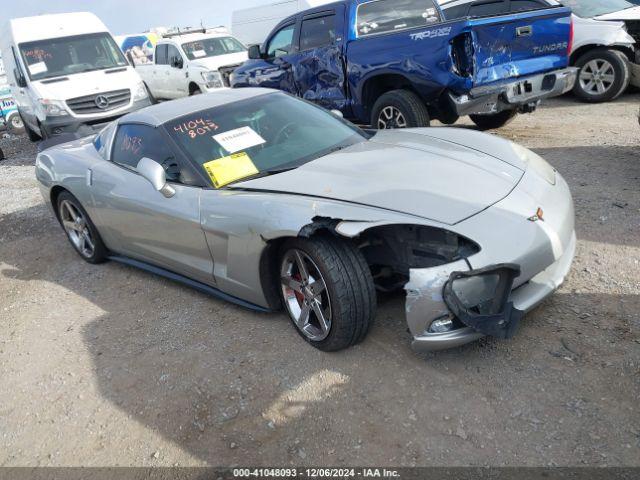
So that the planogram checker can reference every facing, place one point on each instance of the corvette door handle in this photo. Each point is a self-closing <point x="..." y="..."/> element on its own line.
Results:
<point x="525" y="31"/>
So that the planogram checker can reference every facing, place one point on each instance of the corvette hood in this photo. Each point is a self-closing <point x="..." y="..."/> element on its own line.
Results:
<point x="404" y="171"/>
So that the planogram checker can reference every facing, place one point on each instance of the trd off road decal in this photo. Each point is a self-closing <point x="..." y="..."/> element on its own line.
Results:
<point x="435" y="33"/>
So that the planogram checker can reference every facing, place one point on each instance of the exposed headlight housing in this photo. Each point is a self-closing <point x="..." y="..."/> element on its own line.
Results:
<point x="480" y="299"/>
<point x="537" y="163"/>
<point x="140" y="93"/>
<point x="53" y="108"/>
<point x="212" y="79"/>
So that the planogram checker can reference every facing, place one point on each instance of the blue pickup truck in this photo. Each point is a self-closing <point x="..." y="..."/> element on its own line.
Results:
<point x="399" y="63"/>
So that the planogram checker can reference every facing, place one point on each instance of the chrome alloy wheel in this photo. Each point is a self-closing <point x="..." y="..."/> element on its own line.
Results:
<point x="305" y="295"/>
<point x="75" y="225"/>
<point x="390" y="117"/>
<point x="597" y="77"/>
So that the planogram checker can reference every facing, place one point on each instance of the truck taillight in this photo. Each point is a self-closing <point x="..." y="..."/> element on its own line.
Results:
<point x="570" y="37"/>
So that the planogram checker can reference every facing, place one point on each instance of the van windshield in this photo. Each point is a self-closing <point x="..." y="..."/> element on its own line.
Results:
<point x="68" y="55"/>
<point x="212" y="47"/>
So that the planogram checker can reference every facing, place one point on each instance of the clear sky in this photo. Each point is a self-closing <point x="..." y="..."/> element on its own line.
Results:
<point x="131" y="16"/>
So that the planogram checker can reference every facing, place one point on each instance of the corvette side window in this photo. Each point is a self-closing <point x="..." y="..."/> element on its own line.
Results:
<point x="133" y="142"/>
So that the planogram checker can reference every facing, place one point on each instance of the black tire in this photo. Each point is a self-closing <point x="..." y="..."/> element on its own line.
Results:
<point x="152" y="99"/>
<point x="619" y="67"/>
<point x="195" y="91"/>
<point x="408" y="104"/>
<point x="33" y="136"/>
<point x="16" y="124"/>
<point x="100" y="252"/>
<point x="495" y="120"/>
<point x="351" y="292"/>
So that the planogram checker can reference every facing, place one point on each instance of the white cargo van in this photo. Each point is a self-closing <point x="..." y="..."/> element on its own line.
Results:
<point x="67" y="74"/>
<point x="252" y="25"/>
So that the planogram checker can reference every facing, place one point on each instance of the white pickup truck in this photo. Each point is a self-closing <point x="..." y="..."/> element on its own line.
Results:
<point x="190" y="63"/>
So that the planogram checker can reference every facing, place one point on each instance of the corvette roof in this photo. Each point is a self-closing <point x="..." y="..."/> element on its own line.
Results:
<point x="164" y="112"/>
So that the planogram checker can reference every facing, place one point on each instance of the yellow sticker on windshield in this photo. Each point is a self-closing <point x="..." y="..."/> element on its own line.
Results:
<point x="229" y="169"/>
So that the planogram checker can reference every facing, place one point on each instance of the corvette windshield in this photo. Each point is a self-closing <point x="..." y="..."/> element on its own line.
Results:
<point x="594" y="8"/>
<point x="260" y="136"/>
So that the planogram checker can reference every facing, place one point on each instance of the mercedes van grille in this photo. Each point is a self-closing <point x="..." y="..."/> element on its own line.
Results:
<point x="99" y="102"/>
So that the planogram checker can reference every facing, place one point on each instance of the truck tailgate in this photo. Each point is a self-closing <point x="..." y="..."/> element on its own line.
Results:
<point x="520" y="44"/>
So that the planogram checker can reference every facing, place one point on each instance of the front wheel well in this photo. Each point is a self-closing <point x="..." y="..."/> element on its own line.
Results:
<point x="193" y="87"/>
<point x="390" y="251"/>
<point x="55" y="192"/>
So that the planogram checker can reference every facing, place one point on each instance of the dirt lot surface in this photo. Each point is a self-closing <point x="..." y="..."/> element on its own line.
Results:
<point x="108" y="365"/>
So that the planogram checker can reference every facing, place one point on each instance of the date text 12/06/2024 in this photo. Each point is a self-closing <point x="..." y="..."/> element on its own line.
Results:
<point x="315" y="473"/>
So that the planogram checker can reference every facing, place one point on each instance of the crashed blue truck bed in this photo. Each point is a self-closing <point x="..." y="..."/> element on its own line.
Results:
<point x="398" y="63"/>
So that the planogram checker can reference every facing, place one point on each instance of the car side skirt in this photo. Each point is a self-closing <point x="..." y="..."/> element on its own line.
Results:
<point x="201" y="287"/>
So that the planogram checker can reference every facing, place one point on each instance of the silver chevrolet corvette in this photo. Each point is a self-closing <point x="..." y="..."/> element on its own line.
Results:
<point x="270" y="202"/>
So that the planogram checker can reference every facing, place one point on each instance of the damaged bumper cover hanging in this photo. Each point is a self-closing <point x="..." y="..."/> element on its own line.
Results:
<point x="480" y="300"/>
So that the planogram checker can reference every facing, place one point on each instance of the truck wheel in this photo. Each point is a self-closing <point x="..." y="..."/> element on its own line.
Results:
<point x="328" y="291"/>
<point x="152" y="99"/>
<point x="16" y="125"/>
<point x="603" y="76"/>
<point x="195" y="91"/>
<point x="33" y="136"/>
<point x="495" y="120"/>
<point x="399" y="109"/>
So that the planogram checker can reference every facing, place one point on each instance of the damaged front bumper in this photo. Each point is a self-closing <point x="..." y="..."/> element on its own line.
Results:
<point x="522" y="93"/>
<point x="426" y="303"/>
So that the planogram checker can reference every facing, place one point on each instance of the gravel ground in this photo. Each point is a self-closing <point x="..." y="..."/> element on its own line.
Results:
<point x="107" y="365"/>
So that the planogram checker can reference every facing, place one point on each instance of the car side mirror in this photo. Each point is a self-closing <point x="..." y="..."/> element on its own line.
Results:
<point x="177" y="62"/>
<point x="337" y="113"/>
<point x="254" y="52"/>
<point x="20" y="80"/>
<point x="155" y="174"/>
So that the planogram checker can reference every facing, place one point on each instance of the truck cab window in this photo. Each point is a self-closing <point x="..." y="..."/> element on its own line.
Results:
<point x="161" y="54"/>
<point x="488" y="8"/>
<point x="317" y="32"/>
<point x="281" y="43"/>
<point x="384" y="16"/>
<point x="173" y="55"/>
<point x="524" y="5"/>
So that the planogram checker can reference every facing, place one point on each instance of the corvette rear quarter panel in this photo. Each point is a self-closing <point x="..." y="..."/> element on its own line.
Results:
<point x="67" y="168"/>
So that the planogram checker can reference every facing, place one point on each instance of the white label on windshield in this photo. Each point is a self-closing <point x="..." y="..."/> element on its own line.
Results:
<point x="38" y="68"/>
<point x="199" y="53"/>
<point x="239" y="139"/>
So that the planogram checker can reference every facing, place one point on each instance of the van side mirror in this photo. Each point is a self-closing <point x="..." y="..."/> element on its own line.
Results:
<point x="254" y="52"/>
<point x="177" y="62"/>
<point x="20" y="80"/>
<point x="155" y="174"/>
